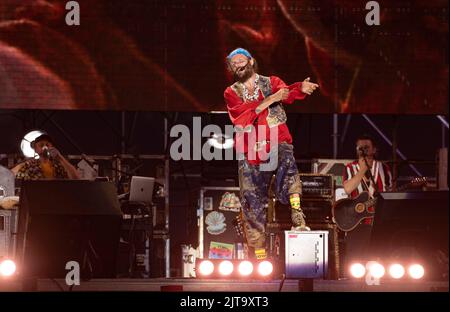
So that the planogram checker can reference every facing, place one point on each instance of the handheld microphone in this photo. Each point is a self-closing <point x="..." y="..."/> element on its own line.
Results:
<point x="362" y="149"/>
<point x="46" y="152"/>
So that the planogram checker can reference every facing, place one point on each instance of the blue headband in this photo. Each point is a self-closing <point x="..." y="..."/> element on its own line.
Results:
<point x="239" y="51"/>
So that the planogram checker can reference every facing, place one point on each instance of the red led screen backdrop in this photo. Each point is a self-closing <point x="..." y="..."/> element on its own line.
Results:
<point x="165" y="55"/>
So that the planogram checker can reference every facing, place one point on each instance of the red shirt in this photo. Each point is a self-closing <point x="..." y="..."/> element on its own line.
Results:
<point x="382" y="176"/>
<point x="242" y="113"/>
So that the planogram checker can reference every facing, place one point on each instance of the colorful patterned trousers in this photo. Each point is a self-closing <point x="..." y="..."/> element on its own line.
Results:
<point x="254" y="186"/>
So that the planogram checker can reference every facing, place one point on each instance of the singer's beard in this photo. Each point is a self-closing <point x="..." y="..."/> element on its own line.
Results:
<point x="242" y="74"/>
<point x="43" y="155"/>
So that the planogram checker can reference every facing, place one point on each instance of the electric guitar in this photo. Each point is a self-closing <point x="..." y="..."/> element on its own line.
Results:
<point x="349" y="212"/>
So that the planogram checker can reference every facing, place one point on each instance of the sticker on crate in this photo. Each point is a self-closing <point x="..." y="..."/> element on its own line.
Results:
<point x="208" y="203"/>
<point x="230" y="202"/>
<point x="216" y="223"/>
<point x="219" y="250"/>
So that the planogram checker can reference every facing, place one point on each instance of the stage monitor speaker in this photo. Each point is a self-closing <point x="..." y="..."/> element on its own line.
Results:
<point x="317" y="210"/>
<point x="68" y="220"/>
<point x="412" y="226"/>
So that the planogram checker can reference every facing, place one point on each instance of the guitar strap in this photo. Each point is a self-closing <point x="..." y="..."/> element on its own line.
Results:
<point x="370" y="187"/>
<point x="383" y="178"/>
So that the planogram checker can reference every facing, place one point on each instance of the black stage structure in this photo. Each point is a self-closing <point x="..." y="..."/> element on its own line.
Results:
<point x="134" y="144"/>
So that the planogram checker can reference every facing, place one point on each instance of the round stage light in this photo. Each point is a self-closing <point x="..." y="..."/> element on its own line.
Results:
<point x="25" y="144"/>
<point x="7" y="268"/>
<point x="265" y="268"/>
<point x="357" y="270"/>
<point x="376" y="270"/>
<point x="396" y="271"/>
<point x="416" y="271"/>
<point x="206" y="267"/>
<point x="245" y="268"/>
<point x="226" y="267"/>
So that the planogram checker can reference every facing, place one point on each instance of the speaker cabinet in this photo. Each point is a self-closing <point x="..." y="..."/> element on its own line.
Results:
<point x="62" y="221"/>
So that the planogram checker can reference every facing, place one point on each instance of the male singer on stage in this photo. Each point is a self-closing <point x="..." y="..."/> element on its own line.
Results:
<point x="356" y="180"/>
<point x="254" y="104"/>
<point x="50" y="165"/>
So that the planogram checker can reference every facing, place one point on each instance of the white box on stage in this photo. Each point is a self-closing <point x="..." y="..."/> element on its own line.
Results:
<point x="306" y="254"/>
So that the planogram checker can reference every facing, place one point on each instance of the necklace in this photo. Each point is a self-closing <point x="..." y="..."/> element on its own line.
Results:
<point x="255" y="94"/>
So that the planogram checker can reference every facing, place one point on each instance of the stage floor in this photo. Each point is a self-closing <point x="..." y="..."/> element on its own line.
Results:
<point x="196" y="285"/>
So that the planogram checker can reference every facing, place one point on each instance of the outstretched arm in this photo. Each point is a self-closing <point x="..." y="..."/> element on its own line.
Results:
<point x="308" y="87"/>
<point x="297" y="91"/>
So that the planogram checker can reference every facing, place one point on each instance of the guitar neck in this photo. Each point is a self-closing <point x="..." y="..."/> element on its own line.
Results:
<point x="418" y="182"/>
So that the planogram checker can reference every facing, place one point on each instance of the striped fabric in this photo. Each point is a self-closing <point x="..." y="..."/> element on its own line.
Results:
<point x="381" y="174"/>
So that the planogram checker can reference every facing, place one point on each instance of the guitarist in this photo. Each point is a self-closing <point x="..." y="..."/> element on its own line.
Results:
<point x="364" y="174"/>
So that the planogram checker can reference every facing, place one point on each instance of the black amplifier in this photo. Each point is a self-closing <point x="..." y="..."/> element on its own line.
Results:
<point x="317" y="210"/>
<point x="317" y="185"/>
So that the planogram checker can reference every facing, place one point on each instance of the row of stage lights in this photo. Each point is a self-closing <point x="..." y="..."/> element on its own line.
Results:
<point x="212" y="268"/>
<point x="395" y="270"/>
<point x="244" y="268"/>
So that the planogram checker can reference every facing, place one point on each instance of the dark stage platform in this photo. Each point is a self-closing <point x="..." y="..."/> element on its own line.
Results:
<point x="196" y="285"/>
